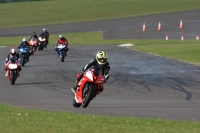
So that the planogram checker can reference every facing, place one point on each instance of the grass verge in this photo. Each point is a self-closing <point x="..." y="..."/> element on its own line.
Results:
<point x="62" y="11"/>
<point x="17" y="120"/>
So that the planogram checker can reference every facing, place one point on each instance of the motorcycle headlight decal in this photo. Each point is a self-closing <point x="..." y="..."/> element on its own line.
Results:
<point x="89" y="75"/>
<point x="12" y="66"/>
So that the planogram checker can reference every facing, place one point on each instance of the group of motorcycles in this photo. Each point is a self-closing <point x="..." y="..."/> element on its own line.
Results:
<point x="88" y="87"/>
<point x="13" y="64"/>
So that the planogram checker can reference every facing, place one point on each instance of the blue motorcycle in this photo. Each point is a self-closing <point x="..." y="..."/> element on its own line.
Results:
<point x="61" y="50"/>
<point x="23" y="53"/>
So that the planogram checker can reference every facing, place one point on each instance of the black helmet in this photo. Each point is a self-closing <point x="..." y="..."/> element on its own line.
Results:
<point x="33" y="33"/>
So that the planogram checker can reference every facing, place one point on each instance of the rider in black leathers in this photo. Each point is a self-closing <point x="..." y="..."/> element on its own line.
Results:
<point x="45" y="34"/>
<point x="24" y="43"/>
<point x="100" y="62"/>
<point x="33" y="35"/>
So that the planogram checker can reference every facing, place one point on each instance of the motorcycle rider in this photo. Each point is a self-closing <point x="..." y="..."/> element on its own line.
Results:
<point x="24" y="43"/>
<point x="33" y="35"/>
<point x="12" y="53"/>
<point x="101" y="63"/>
<point x="45" y="34"/>
<point x="62" y="40"/>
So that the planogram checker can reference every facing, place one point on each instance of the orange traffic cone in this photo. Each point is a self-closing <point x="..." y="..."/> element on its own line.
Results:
<point x="182" y="37"/>
<point x="181" y="24"/>
<point x="167" y="37"/>
<point x="159" y="26"/>
<point x="144" y="28"/>
<point x="197" y="37"/>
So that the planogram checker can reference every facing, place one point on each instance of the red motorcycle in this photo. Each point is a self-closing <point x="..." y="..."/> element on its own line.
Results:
<point x="12" y="68"/>
<point x="33" y="45"/>
<point x="88" y="87"/>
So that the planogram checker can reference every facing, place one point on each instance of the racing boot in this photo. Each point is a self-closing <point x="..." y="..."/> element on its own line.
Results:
<point x="6" y="73"/>
<point x="73" y="89"/>
<point x="101" y="89"/>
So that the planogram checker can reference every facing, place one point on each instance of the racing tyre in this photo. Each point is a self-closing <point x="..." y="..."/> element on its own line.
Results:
<point x="88" y="96"/>
<point x="12" y="77"/>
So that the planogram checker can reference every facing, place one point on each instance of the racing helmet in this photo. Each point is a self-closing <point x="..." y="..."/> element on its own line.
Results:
<point x="101" y="57"/>
<point x="12" y="52"/>
<point x="44" y="29"/>
<point x="33" y="34"/>
<point x="60" y="36"/>
<point x="24" y="40"/>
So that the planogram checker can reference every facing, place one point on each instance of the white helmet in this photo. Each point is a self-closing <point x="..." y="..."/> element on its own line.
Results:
<point x="24" y="39"/>
<point x="12" y="51"/>
<point x="44" y="29"/>
<point x="60" y="36"/>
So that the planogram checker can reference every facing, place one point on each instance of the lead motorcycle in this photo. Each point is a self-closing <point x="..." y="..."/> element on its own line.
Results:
<point x="12" y="67"/>
<point x="23" y="53"/>
<point x="88" y="87"/>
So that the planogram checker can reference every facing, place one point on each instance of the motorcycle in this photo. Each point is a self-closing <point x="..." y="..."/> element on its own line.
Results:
<point x="23" y="53"/>
<point x="12" y="68"/>
<point x="42" y="43"/>
<point x="33" y="45"/>
<point x="61" y="50"/>
<point x="88" y="87"/>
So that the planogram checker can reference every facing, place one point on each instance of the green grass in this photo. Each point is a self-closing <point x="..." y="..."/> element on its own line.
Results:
<point x="16" y="120"/>
<point x="62" y="11"/>
<point x="185" y="52"/>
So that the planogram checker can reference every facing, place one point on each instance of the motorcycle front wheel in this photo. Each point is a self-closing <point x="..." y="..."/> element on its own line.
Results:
<point x="62" y="57"/>
<point x="12" y="77"/>
<point x="88" y="96"/>
<point x="23" y="60"/>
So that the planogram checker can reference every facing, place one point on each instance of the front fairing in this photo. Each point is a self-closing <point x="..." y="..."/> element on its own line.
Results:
<point x="61" y="47"/>
<point x="33" y="42"/>
<point x="23" y="50"/>
<point x="90" y="77"/>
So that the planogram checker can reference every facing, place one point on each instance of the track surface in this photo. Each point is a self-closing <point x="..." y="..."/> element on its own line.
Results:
<point x="140" y="84"/>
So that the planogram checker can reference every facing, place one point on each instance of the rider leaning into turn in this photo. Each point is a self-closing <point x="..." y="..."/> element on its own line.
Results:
<point x="100" y="62"/>
<point x="12" y="54"/>
<point x="24" y="43"/>
<point x="45" y="34"/>
<point x="62" y="40"/>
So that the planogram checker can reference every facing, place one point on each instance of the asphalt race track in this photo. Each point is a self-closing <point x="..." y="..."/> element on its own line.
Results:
<point x="140" y="84"/>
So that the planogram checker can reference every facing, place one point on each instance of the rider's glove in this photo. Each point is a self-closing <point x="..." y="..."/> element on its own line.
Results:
<point x="107" y="77"/>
